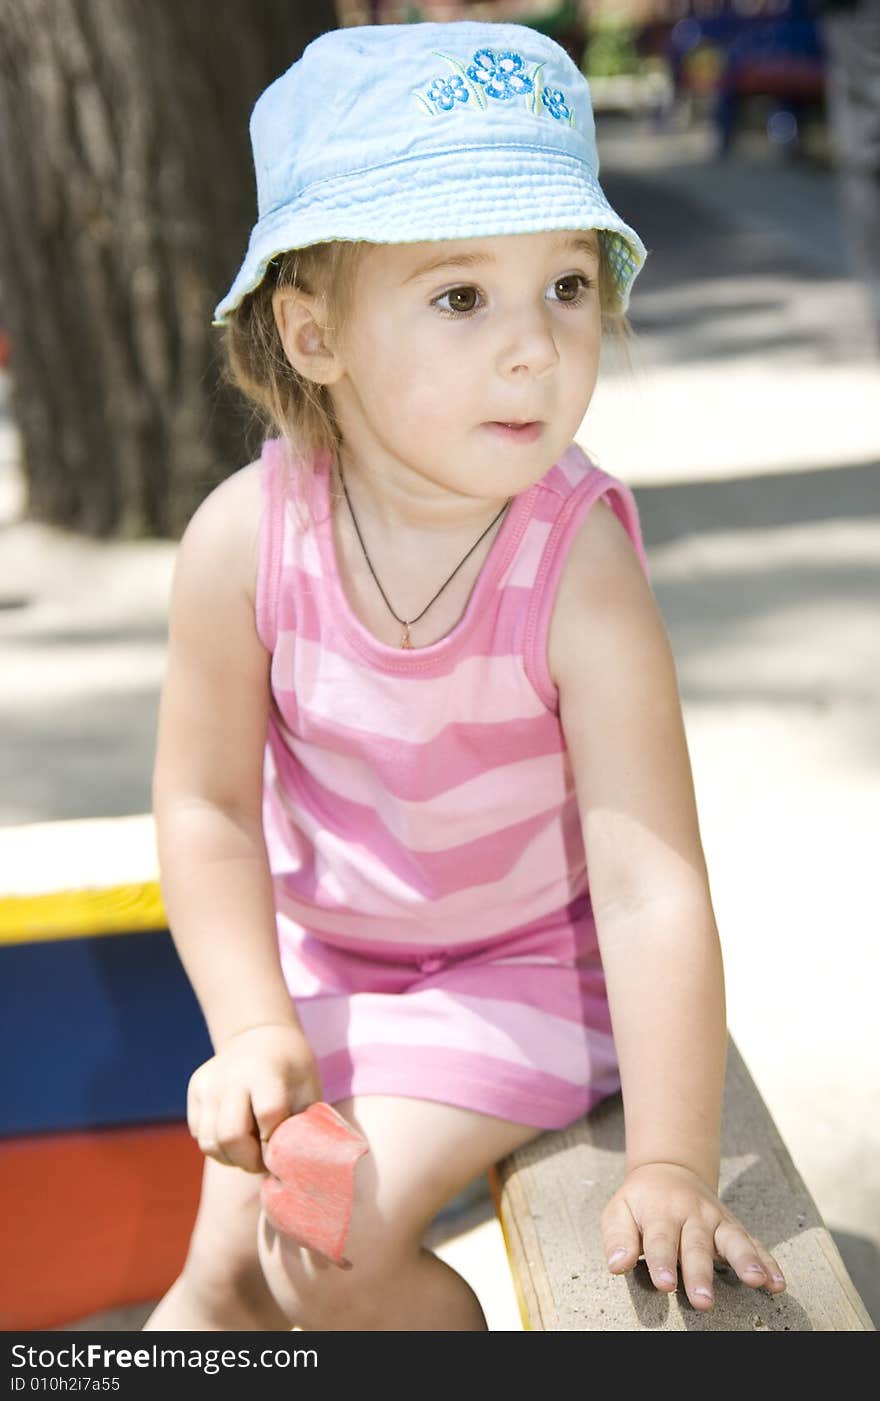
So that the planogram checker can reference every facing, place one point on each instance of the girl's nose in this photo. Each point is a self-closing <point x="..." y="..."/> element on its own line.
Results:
<point x="530" y="348"/>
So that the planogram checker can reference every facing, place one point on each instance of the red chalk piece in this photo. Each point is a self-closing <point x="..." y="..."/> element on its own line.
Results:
<point x="309" y="1193"/>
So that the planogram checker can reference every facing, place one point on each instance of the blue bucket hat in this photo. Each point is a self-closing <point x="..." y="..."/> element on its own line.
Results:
<point x="402" y="133"/>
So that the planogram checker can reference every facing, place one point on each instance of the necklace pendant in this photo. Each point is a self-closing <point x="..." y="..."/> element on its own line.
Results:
<point x="406" y="642"/>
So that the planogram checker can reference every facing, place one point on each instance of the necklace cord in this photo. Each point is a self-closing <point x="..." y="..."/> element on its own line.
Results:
<point x="406" y="625"/>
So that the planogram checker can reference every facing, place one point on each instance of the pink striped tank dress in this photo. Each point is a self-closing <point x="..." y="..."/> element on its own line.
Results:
<point x="420" y="817"/>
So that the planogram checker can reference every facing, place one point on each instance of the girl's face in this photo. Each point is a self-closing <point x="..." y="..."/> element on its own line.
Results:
<point x="507" y="330"/>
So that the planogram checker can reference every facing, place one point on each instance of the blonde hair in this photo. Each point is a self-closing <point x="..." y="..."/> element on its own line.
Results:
<point x="288" y="405"/>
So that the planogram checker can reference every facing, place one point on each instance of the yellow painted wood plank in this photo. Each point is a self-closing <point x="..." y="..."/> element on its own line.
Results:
<point x="77" y="914"/>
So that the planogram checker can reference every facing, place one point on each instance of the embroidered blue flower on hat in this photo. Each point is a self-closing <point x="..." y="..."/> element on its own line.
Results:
<point x="554" y="101"/>
<point x="501" y="76"/>
<point x="447" y="91"/>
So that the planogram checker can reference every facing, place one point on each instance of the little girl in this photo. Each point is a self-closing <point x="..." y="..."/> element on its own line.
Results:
<point x="418" y="687"/>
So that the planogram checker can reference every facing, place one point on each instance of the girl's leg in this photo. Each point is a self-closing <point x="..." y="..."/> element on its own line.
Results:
<point x="421" y="1155"/>
<point x="221" y="1285"/>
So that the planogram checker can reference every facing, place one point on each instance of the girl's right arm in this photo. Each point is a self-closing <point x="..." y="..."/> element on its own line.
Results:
<point x="207" y="804"/>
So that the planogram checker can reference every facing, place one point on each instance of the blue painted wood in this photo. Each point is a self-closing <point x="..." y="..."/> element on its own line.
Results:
<point x="95" y="1032"/>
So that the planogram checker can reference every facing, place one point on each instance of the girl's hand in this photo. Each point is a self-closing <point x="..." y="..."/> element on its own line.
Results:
<point x="665" y="1212"/>
<point x="258" y="1078"/>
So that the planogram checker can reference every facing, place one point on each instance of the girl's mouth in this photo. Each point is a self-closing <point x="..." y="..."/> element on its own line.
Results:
<point x="518" y="432"/>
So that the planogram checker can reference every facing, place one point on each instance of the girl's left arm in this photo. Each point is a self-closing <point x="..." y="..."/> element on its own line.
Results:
<point x="621" y="716"/>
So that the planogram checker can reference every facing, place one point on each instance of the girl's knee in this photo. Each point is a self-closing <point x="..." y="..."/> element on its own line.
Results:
<point x="314" y="1293"/>
<point x="421" y="1154"/>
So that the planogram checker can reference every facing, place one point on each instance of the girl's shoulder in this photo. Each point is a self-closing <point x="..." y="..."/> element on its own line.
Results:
<point x="227" y="524"/>
<point x="601" y="575"/>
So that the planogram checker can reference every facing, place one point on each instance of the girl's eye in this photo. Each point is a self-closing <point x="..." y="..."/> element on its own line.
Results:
<point x="456" y="293"/>
<point x="572" y="297"/>
<point x="575" y="295"/>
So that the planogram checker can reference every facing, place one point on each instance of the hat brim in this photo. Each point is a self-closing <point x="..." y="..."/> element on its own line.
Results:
<point x="464" y="193"/>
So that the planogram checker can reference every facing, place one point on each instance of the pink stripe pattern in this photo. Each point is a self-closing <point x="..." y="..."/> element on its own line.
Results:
<point x="421" y="822"/>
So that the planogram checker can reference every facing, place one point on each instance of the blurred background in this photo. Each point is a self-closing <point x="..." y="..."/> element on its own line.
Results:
<point x="742" y="140"/>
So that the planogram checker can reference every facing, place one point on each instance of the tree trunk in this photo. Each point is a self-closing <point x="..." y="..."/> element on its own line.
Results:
<point x="127" y="195"/>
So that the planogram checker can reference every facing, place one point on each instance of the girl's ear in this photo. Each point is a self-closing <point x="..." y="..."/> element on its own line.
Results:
<point x="304" y="335"/>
